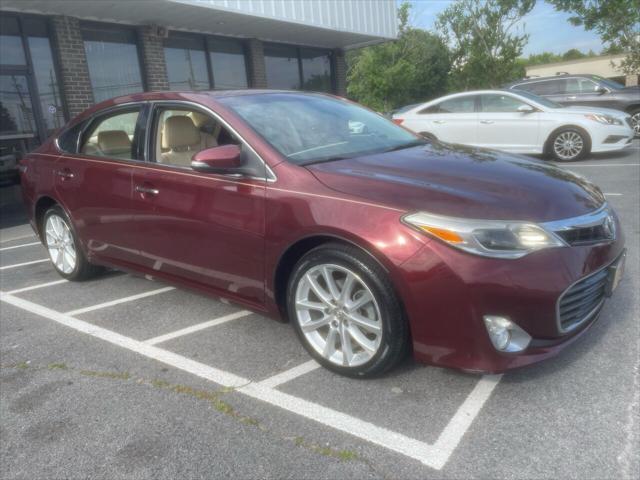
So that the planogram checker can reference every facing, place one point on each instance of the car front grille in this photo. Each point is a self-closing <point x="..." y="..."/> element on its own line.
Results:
<point x="582" y="300"/>
<point x="585" y="235"/>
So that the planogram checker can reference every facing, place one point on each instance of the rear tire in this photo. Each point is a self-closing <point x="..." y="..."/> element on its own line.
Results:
<point x="569" y="144"/>
<point x="345" y="311"/>
<point x="63" y="246"/>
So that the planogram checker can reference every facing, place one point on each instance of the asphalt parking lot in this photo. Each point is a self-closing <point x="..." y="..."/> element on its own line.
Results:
<point x="123" y="377"/>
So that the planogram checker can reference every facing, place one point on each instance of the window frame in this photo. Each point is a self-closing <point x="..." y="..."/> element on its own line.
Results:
<point x="298" y="49"/>
<point x="150" y="138"/>
<point x="88" y="124"/>
<point x="203" y="40"/>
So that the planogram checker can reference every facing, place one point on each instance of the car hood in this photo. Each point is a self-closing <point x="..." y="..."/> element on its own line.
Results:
<point x="463" y="182"/>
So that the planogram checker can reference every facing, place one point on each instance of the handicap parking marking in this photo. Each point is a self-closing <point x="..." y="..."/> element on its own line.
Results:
<point x="433" y="455"/>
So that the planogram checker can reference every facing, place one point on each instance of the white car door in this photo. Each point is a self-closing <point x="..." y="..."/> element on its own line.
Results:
<point x="501" y="125"/>
<point x="453" y="120"/>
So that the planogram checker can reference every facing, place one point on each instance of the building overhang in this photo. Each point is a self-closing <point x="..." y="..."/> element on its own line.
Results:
<point x="319" y="24"/>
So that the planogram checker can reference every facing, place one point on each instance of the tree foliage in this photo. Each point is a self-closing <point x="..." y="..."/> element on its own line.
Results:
<point x="550" y="57"/>
<point x="485" y="46"/>
<point x="616" y="21"/>
<point x="411" y="69"/>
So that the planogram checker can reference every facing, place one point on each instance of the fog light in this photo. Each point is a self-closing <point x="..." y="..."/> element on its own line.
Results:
<point x="505" y="335"/>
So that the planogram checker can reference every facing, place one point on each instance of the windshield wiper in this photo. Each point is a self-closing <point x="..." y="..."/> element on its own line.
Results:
<point x="415" y="143"/>
<point x="323" y="160"/>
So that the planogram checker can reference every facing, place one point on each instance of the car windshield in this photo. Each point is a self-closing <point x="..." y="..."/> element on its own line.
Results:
<point x="545" y="102"/>
<point x="308" y="128"/>
<point x="608" y="83"/>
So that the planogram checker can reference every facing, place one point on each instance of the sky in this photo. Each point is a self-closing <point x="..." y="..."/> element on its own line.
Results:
<point x="548" y="29"/>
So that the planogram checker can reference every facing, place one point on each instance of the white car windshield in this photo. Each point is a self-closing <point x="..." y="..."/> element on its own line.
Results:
<point x="309" y="128"/>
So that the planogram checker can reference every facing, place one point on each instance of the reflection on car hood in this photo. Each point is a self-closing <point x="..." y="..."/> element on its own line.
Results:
<point x="463" y="182"/>
<point x="585" y="110"/>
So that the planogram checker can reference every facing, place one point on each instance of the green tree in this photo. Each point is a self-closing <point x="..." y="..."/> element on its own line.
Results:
<point x="616" y="21"/>
<point x="573" y="54"/>
<point x="485" y="48"/>
<point x="542" y="58"/>
<point x="411" y="69"/>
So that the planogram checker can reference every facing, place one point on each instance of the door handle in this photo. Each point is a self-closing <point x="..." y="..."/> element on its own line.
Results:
<point x="65" y="174"/>
<point x="486" y="121"/>
<point x="147" y="190"/>
<point x="438" y="121"/>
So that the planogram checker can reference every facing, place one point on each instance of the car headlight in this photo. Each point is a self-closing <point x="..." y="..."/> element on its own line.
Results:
<point x="489" y="238"/>
<point x="606" y="119"/>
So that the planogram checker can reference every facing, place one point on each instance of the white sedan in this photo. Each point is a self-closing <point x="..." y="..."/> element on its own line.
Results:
<point x="519" y="122"/>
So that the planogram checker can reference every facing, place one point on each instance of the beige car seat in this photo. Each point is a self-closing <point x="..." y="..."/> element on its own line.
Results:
<point x="181" y="140"/>
<point x="114" y="143"/>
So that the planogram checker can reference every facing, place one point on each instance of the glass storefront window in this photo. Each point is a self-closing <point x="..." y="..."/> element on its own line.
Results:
<point x="316" y="70"/>
<point x="112" y="57"/>
<point x="282" y="67"/>
<point x="16" y="109"/>
<point x="228" y="63"/>
<point x="186" y="64"/>
<point x="11" y="51"/>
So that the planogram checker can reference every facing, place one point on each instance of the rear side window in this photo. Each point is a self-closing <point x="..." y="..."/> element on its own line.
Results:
<point x="112" y="136"/>
<point x="68" y="140"/>
<point x="499" y="104"/>
<point x="545" y="87"/>
<point x="465" y="104"/>
<point x="581" y="85"/>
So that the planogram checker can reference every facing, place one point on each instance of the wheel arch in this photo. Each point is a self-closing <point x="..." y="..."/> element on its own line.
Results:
<point x="632" y="108"/>
<point x="295" y="251"/>
<point x="43" y="204"/>
<point x="547" y="143"/>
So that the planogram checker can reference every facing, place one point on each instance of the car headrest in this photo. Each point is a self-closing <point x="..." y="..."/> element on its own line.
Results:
<point x="113" y="141"/>
<point x="179" y="131"/>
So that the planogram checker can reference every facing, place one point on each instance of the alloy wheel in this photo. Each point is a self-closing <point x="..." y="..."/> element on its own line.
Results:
<point x="568" y="145"/>
<point x="338" y="315"/>
<point x="60" y="244"/>
<point x="635" y="123"/>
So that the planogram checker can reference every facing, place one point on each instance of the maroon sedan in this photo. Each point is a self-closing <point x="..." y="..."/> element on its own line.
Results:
<point x="309" y="208"/>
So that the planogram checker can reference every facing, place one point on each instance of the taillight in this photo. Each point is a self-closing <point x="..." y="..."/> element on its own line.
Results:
<point x="398" y="121"/>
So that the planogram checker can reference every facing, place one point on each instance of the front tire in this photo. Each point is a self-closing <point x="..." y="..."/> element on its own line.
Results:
<point x="64" y="249"/>
<point x="635" y="122"/>
<point x="569" y="144"/>
<point x="345" y="311"/>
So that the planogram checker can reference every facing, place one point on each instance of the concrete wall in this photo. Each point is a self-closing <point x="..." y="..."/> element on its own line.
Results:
<point x="606" y="66"/>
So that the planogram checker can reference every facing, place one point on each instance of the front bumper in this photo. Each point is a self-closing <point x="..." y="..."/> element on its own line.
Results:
<point x="447" y="292"/>
<point x="602" y="140"/>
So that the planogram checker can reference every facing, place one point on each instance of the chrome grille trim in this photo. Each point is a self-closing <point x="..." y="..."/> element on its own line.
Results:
<point x="598" y="226"/>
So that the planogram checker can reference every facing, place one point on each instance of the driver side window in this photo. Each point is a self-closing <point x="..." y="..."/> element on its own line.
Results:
<point x="180" y="133"/>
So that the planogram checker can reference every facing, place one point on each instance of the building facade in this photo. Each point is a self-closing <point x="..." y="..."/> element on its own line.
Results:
<point x="607" y="66"/>
<point x="58" y="57"/>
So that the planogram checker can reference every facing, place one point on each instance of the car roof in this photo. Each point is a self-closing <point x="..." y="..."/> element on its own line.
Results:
<point x="551" y="77"/>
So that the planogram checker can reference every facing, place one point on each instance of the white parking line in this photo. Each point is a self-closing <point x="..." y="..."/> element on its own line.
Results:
<point x="35" y="287"/>
<point x="614" y="194"/>
<point x="118" y="301"/>
<point x="288" y="375"/>
<point x="7" y="267"/>
<point x="197" y="328"/>
<point x="435" y="456"/>
<point x="20" y="246"/>
<point x="21" y="237"/>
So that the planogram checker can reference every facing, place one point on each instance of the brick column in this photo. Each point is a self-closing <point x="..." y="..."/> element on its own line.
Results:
<point x="257" y="69"/>
<point x="74" y="72"/>
<point x="153" y="61"/>
<point x="340" y="72"/>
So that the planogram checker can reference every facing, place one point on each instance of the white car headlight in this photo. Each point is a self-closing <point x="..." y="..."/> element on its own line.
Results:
<point x="488" y="238"/>
<point x="606" y="119"/>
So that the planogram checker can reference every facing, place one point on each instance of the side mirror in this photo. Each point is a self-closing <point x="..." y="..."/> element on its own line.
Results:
<point x="221" y="159"/>
<point x="601" y="90"/>
<point x="526" y="108"/>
